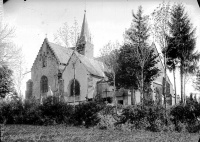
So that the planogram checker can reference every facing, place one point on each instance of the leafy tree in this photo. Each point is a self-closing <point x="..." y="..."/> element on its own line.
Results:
<point x="137" y="59"/>
<point x="6" y="82"/>
<point x="182" y="41"/>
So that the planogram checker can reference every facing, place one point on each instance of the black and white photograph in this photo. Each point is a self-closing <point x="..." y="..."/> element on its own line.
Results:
<point x="100" y="70"/>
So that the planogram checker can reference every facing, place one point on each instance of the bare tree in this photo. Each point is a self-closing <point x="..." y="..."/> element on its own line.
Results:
<point x="160" y="29"/>
<point x="62" y="35"/>
<point x="109" y="56"/>
<point x="67" y="36"/>
<point x="9" y="53"/>
<point x="19" y="74"/>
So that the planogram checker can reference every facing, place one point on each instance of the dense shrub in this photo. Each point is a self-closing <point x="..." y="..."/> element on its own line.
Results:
<point x="12" y="112"/>
<point x="155" y="117"/>
<point x="54" y="112"/>
<point x="32" y="113"/>
<point x="107" y="120"/>
<point x="86" y="114"/>
<point x="143" y="117"/>
<point x="186" y="115"/>
<point x="180" y="117"/>
<point x="134" y="115"/>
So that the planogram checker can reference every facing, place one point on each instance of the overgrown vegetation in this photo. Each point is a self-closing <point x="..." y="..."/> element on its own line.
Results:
<point x="51" y="112"/>
<point x="89" y="114"/>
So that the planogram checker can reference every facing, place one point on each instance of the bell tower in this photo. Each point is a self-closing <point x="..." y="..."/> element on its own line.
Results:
<point x="84" y="45"/>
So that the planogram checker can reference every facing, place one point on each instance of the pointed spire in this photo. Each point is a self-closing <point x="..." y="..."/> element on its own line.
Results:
<point x="85" y="35"/>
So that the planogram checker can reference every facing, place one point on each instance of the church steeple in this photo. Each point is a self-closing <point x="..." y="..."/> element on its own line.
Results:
<point x="84" y="45"/>
<point x="85" y="34"/>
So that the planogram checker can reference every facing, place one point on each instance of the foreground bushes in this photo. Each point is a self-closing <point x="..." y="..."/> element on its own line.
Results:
<point x="180" y="118"/>
<point x="50" y="112"/>
<point x="152" y="118"/>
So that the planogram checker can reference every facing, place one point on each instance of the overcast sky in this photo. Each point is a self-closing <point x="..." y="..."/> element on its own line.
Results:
<point x="107" y="21"/>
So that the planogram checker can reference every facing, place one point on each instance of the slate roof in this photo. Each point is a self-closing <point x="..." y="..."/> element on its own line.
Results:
<point x="63" y="54"/>
<point x="93" y="66"/>
<point x="85" y="34"/>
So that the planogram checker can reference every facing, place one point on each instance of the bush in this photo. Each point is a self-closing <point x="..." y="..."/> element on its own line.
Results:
<point x="155" y="118"/>
<point x="134" y="115"/>
<point x="12" y="112"/>
<point x="107" y="120"/>
<point x="32" y="113"/>
<point x="54" y="112"/>
<point x="6" y="113"/>
<point x="86" y="114"/>
<point x="149" y="118"/>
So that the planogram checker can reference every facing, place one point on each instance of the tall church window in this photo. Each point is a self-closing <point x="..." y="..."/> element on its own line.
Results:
<point x="44" y="84"/>
<point x="77" y="88"/>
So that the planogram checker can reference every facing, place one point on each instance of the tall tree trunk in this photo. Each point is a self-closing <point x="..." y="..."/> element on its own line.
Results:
<point x="174" y="84"/>
<point x="142" y="87"/>
<point x="115" y="97"/>
<point x="184" y="77"/>
<point x="181" y="73"/>
<point x="134" y="97"/>
<point x="165" y="74"/>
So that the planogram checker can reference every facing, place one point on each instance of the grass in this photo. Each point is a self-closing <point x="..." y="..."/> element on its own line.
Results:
<point x="59" y="133"/>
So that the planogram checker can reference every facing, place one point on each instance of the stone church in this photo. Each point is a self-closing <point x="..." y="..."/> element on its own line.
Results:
<point x="70" y="74"/>
<point x="73" y="75"/>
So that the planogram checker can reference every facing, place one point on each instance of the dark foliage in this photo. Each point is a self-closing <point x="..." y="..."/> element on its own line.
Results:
<point x="32" y="113"/>
<point x="144" y="117"/>
<point x="134" y="115"/>
<point x="55" y="112"/>
<point x="187" y="114"/>
<point x="11" y="113"/>
<point x="181" y="43"/>
<point x="6" y="82"/>
<point x="86" y="114"/>
<point x="131" y="70"/>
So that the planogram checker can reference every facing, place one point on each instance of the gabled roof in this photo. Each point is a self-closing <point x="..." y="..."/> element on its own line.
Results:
<point x="62" y="53"/>
<point x="93" y="66"/>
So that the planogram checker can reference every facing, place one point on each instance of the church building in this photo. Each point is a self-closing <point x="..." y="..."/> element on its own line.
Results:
<point x="70" y="74"/>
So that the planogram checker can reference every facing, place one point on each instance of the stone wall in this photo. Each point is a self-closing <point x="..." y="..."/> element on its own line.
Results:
<point x="29" y="89"/>
<point x="50" y="71"/>
<point x="80" y="75"/>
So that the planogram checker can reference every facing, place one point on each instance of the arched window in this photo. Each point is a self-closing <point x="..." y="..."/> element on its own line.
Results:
<point x="44" y="84"/>
<point x="77" y="88"/>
